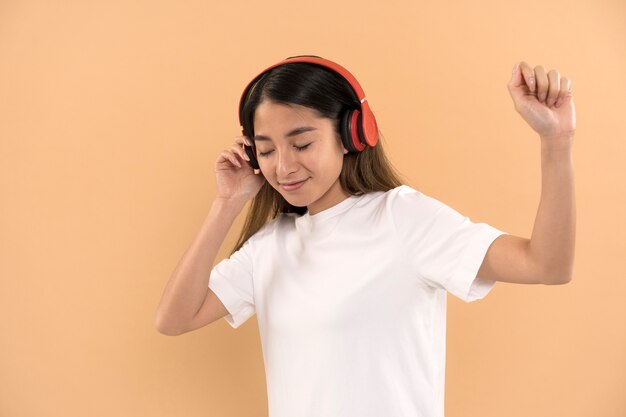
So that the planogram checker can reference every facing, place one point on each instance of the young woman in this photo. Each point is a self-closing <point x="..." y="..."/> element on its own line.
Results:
<point x="346" y="267"/>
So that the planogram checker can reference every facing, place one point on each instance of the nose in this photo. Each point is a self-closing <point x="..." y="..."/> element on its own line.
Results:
<point x="287" y="163"/>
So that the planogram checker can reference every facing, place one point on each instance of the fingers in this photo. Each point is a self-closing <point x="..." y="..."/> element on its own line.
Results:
<point x="236" y="150"/>
<point x="566" y="87"/>
<point x="229" y="156"/>
<point x="541" y="78"/>
<point x="239" y="151"/>
<point x="529" y="75"/>
<point x="548" y="86"/>
<point x="241" y="141"/>
<point x="554" y="80"/>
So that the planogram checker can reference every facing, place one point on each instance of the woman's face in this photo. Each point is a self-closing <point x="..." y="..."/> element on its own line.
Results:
<point x="300" y="155"/>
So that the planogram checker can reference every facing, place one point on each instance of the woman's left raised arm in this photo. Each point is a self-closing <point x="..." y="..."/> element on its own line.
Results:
<point x="544" y="100"/>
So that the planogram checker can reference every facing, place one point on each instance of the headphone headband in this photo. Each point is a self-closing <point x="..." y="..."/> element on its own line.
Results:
<point x="311" y="59"/>
<point x="368" y="123"/>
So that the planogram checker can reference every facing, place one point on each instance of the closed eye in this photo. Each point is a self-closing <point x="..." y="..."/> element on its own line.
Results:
<point x="298" y="148"/>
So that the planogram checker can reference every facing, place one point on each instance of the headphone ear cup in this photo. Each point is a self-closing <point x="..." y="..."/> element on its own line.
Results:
<point x="344" y="127"/>
<point x="350" y="130"/>
<point x="251" y="154"/>
<point x="359" y="127"/>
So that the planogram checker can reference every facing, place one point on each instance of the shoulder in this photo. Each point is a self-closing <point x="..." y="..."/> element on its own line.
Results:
<point x="408" y="197"/>
<point x="403" y="192"/>
<point x="408" y="207"/>
<point x="396" y="205"/>
<point x="389" y="196"/>
<point x="269" y="229"/>
<point x="398" y="194"/>
<point x="404" y="197"/>
<point x="391" y="199"/>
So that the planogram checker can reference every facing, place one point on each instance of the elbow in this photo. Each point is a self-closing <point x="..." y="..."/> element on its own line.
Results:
<point x="167" y="331"/>
<point x="558" y="278"/>
<point x="561" y="281"/>
<point x="166" y="328"/>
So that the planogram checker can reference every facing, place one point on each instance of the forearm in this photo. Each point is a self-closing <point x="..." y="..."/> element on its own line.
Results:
<point x="553" y="238"/>
<point x="188" y="284"/>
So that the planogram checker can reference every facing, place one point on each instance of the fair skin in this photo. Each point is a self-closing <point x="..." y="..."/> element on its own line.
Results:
<point x="314" y="156"/>
<point x="542" y="98"/>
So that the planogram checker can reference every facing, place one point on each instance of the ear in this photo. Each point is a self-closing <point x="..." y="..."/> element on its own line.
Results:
<point x="345" y="151"/>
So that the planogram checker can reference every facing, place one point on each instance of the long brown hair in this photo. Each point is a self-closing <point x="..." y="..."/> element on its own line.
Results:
<point x="329" y="94"/>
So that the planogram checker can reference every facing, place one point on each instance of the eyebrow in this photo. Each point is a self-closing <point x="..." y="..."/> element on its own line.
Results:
<point x="294" y="132"/>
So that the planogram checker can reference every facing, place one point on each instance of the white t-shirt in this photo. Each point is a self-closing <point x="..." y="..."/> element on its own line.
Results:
<point x="351" y="302"/>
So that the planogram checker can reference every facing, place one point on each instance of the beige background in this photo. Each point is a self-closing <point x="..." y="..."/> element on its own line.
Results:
<point x="112" y="115"/>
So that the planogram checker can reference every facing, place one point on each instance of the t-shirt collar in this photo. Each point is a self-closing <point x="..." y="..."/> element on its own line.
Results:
<point x="329" y="212"/>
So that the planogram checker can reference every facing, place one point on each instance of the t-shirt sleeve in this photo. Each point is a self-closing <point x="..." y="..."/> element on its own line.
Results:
<point x="444" y="248"/>
<point x="231" y="281"/>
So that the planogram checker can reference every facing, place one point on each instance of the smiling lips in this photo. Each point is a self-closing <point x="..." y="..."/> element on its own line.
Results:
<point x="292" y="186"/>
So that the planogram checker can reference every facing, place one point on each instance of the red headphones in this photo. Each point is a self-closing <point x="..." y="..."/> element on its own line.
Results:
<point x="358" y="126"/>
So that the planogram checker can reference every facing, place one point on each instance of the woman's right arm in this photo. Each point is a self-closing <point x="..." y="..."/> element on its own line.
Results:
<point x="187" y="287"/>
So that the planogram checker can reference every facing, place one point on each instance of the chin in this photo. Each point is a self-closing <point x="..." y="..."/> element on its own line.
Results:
<point x="297" y="202"/>
<point x="302" y="200"/>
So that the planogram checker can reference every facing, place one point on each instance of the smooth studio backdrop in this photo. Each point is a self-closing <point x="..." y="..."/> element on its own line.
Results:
<point x="112" y="115"/>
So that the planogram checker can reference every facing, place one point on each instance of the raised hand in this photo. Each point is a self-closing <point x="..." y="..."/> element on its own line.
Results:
<point x="544" y="100"/>
<point x="235" y="178"/>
